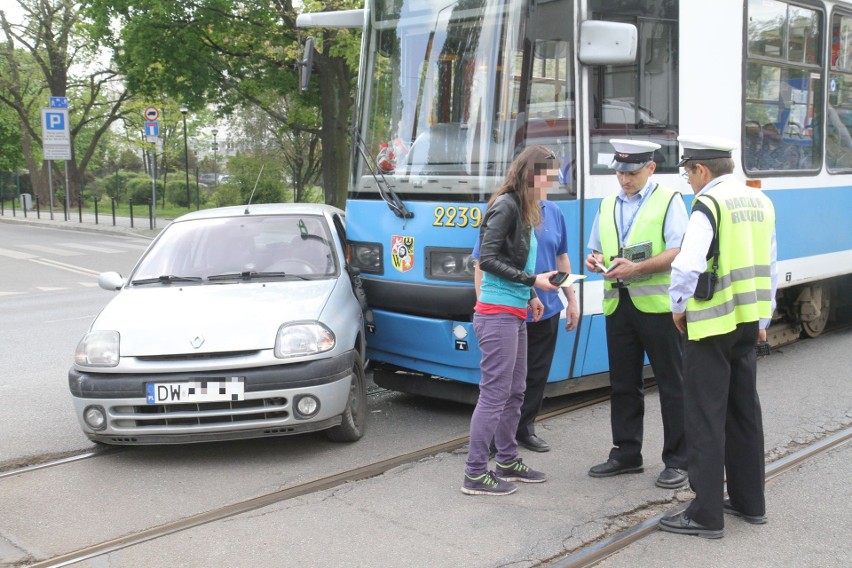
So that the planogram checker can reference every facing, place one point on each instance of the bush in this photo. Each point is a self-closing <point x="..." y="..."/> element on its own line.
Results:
<point x="139" y="189"/>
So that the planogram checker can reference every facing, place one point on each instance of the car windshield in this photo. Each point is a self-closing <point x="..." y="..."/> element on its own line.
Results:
<point x="235" y="249"/>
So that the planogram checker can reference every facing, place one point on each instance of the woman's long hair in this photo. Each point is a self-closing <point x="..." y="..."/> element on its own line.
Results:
<point x="519" y="180"/>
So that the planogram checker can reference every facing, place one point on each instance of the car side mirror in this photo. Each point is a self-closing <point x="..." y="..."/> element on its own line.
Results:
<point x="111" y="281"/>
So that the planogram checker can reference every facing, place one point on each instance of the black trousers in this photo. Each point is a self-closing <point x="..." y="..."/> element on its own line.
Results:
<point x="630" y="334"/>
<point x="724" y="425"/>
<point x="541" y="343"/>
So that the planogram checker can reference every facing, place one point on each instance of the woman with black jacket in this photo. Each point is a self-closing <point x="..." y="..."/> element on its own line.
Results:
<point x="507" y="254"/>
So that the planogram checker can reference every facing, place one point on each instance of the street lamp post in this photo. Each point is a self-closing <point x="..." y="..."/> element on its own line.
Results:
<point x="215" y="158"/>
<point x="183" y="111"/>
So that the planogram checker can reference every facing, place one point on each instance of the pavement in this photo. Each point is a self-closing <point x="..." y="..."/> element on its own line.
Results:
<point x="415" y="515"/>
<point x="139" y="225"/>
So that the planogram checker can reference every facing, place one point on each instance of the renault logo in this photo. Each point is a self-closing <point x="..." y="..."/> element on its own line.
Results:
<point x="197" y="341"/>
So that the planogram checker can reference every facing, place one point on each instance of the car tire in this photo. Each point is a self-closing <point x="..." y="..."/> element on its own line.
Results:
<point x="354" y="418"/>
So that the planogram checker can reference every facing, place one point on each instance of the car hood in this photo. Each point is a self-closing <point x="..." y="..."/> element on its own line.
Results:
<point x="168" y="320"/>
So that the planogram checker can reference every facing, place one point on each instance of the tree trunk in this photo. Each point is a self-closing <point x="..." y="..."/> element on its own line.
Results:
<point x="335" y="92"/>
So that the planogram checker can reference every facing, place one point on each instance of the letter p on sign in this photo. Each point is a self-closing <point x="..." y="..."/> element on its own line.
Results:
<point x="55" y="121"/>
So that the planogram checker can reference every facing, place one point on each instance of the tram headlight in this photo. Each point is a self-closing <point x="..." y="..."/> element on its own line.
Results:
<point x="449" y="264"/>
<point x="367" y="257"/>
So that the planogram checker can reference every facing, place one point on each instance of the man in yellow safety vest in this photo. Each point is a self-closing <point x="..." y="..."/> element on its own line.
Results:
<point x="722" y="297"/>
<point x="635" y="236"/>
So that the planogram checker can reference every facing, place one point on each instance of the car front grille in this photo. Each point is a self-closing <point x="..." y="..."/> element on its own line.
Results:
<point x="198" y="356"/>
<point x="204" y="413"/>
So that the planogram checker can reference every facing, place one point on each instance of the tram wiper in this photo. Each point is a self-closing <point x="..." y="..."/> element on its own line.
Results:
<point x="165" y="279"/>
<point x="389" y="196"/>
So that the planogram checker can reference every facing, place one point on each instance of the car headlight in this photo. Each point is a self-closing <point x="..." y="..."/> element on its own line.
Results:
<point x="98" y="349"/>
<point x="366" y="257"/>
<point x="302" y="338"/>
<point x="449" y="264"/>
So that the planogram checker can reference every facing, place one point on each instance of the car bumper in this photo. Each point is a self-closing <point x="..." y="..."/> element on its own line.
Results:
<point x="268" y="407"/>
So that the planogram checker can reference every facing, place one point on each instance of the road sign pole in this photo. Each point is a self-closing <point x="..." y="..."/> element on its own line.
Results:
<point x="153" y="186"/>
<point x="50" y="185"/>
<point x="67" y="193"/>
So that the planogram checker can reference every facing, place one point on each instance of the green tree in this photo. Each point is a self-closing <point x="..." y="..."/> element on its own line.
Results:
<point x="234" y="53"/>
<point x="49" y="54"/>
<point x="11" y="156"/>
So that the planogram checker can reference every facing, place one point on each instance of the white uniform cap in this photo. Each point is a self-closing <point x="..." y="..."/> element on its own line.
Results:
<point x="704" y="148"/>
<point x="632" y="155"/>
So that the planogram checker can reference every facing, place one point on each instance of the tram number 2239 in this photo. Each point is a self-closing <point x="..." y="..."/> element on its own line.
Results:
<point x="457" y="216"/>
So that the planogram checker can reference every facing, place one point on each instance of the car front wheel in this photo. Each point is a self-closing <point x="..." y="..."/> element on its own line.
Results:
<point x="354" y="419"/>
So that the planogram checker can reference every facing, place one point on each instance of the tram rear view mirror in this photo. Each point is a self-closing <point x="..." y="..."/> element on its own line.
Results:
<point x="306" y="64"/>
<point x="607" y="43"/>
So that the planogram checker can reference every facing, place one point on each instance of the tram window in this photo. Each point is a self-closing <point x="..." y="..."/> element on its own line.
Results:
<point x="783" y="88"/>
<point x="639" y="100"/>
<point x="838" y="117"/>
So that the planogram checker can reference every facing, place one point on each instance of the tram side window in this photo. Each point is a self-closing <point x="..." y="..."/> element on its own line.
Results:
<point x="639" y="100"/>
<point x="838" y="116"/>
<point x="784" y="86"/>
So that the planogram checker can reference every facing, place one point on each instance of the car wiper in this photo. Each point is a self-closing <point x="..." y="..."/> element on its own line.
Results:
<point x="165" y="279"/>
<point x="386" y="191"/>
<point x="251" y="275"/>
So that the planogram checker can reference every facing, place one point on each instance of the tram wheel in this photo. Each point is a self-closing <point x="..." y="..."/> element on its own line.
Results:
<point x="816" y="326"/>
<point x="354" y="419"/>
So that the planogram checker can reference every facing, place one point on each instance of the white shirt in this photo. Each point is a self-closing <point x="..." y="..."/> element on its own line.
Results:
<point x="626" y="211"/>
<point x="691" y="261"/>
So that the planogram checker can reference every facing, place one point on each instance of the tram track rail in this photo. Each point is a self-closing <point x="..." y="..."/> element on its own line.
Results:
<point x="586" y="556"/>
<point x="45" y="462"/>
<point x="330" y="482"/>
<point x="593" y="554"/>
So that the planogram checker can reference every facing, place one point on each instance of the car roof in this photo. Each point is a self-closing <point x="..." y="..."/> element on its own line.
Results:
<point x="261" y="209"/>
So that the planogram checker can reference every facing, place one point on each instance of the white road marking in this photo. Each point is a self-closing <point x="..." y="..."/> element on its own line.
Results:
<point x="63" y="266"/>
<point x="91" y="248"/>
<point x="122" y="244"/>
<point x="50" y="288"/>
<point x="56" y="251"/>
<point x="17" y="255"/>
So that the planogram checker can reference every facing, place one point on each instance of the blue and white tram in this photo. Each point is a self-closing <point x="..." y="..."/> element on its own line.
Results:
<point x="450" y="91"/>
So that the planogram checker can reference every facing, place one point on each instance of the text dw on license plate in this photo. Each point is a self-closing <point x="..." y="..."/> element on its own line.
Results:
<point x="230" y="389"/>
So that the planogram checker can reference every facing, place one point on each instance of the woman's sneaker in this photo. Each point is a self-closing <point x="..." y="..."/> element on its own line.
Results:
<point x="486" y="484"/>
<point x="519" y="471"/>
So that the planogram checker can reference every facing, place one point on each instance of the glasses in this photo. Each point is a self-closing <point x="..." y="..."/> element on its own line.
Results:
<point x="685" y="173"/>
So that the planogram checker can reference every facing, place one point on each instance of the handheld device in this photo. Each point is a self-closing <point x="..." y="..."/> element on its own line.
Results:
<point x="602" y="267"/>
<point x="558" y="278"/>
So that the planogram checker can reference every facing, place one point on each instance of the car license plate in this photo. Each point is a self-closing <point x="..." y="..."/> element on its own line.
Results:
<point x="232" y="388"/>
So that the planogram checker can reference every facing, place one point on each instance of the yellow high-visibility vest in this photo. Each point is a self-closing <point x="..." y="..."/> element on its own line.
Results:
<point x="650" y="295"/>
<point x="745" y="223"/>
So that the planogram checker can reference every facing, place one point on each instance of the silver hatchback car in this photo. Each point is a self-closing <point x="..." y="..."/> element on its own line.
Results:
<point x="239" y="322"/>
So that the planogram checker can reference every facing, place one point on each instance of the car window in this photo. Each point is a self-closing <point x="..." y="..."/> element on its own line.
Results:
<point x="298" y="245"/>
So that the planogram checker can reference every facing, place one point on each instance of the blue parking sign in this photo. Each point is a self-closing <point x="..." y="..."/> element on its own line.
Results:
<point x="54" y="121"/>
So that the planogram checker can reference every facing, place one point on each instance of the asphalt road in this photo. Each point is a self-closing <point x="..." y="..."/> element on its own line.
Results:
<point x="414" y="515"/>
<point x="48" y="297"/>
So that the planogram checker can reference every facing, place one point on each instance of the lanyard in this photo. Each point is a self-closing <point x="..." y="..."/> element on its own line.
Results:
<point x="625" y="229"/>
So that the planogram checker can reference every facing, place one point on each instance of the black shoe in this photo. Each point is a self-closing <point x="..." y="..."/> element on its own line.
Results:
<point x="533" y="443"/>
<point x="753" y="519"/>
<point x="614" y="467"/>
<point x="681" y="524"/>
<point x="672" y="478"/>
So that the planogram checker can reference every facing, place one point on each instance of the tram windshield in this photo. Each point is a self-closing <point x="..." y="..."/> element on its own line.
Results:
<point x="453" y="91"/>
